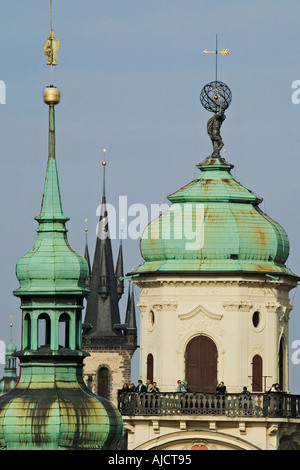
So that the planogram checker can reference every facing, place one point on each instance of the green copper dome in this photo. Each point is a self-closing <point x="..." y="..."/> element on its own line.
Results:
<point x="214" y="224"/>
<point x="40" y="414"/>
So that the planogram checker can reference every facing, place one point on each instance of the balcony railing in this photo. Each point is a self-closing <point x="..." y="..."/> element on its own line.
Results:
<point x="256" y="405"/>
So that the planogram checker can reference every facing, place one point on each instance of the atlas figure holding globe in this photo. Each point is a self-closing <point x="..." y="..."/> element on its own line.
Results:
<point x="216" y="97"/>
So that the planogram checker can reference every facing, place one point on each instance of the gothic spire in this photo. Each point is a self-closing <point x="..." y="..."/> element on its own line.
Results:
<point x="120" y="272"/>
<point x="102" y="312"/>
<point x="87" y="259"/>
<point x="130" y="319"/>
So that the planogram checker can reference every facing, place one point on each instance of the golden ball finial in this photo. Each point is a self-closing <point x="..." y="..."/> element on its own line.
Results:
<point x="104" y="161"/>
<point x="51" y="95"/>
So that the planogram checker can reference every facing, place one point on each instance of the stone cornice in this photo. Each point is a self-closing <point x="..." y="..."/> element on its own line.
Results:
<point x="239" y="305"/>
<point x="284" y="284"/>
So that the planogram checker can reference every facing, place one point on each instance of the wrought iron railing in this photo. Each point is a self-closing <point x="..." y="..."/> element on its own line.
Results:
<point x="255" y="405"/>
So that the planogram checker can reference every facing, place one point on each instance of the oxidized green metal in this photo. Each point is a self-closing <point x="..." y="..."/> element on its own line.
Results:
<point x="214" y="224"/>
<point x="51" y="408"/>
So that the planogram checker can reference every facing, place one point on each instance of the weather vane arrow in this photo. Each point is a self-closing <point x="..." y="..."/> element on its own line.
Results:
<point x="222" y="52"/>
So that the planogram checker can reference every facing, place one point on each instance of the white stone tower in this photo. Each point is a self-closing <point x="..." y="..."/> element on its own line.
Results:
<point x="214" y="307"/>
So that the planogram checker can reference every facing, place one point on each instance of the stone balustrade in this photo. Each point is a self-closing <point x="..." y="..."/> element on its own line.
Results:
<point x="256" y="405"/>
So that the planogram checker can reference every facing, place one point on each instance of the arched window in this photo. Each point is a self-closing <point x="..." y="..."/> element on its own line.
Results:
<point x="27" y="332"/>
<point x="44" y="332"/>
<point x="104" y="383"/>
<point x="78" y="330"/>
<point x="64" y="330"/>
<point x="150" y="367"/>
<point x="201" y="364"/>
<point x="257" y="371"/>
<point x="281" y="364"/>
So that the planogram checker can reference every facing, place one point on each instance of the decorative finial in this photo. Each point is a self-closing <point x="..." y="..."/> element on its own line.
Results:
<point x="10" y="324"/>
<point x="104" y="165"/>
<point x="104" y="161"/>
<point x="216" y="97"/>
<point x="51" y="94"/>
<point x="51" y="46"/>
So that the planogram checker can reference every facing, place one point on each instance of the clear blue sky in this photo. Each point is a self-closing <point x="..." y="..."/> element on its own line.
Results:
<point x="130" y="73"/>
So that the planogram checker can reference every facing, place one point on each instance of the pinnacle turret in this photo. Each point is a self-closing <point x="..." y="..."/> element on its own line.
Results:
<point x="120" y="272"/>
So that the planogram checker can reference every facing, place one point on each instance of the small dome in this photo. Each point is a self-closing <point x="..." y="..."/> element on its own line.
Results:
<point x="214" y="224"/>
<point x="10" y="348"/>
<point x="51" y="266"/>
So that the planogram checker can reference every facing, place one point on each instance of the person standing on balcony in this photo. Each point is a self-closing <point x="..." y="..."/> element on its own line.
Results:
<point x="149" y="385"/>
<point x="221" y="388"/>
<point x="155" y="388"/>
<point x="141" y="388"/>
<point x="180" y="386"/>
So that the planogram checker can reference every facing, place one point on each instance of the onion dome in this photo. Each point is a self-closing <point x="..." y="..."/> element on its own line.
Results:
<point x="214" y="224"/>
<point x="41" y="415"/>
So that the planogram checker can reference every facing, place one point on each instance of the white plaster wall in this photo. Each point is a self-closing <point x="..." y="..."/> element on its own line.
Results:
<point x="221" y="309"/>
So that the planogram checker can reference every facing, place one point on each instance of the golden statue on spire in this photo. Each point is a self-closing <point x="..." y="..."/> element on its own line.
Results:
<point x="50" y="49"/>
<point x="51" y="93"/>
<point x="51" y="45"/>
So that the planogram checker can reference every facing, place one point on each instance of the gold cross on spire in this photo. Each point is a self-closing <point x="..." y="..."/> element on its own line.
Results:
<point x="51" y="45"/>
<point x="222" y="52"/>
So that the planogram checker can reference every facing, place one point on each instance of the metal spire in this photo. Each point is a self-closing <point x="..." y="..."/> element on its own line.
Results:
<point x="51" y="47"/>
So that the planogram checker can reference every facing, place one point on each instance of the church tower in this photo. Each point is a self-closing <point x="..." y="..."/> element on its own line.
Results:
<point x="109" y="342"/>
<point x="51" y="408"/>
<point x="214" y="308"/>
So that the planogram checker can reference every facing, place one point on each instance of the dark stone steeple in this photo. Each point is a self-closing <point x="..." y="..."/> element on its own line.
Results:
<point x="110" y="342"/>
<point x="102" y="312"/>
